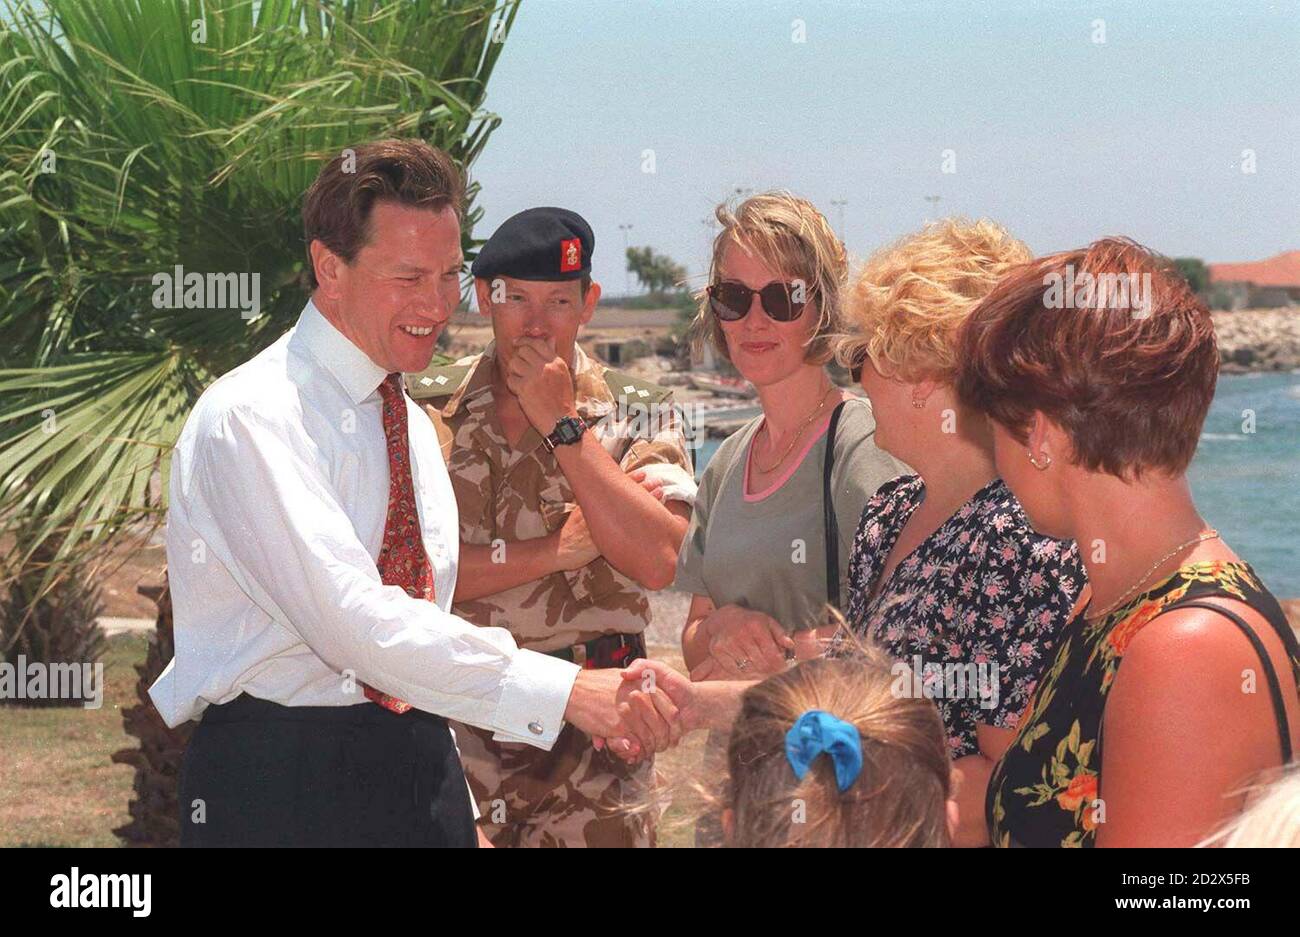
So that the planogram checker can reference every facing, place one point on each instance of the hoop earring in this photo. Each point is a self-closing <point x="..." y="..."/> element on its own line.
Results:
<point x="1047" y="460"/>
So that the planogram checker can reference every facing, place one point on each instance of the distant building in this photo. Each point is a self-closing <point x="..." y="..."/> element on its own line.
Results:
<point x="1263" y="284"/>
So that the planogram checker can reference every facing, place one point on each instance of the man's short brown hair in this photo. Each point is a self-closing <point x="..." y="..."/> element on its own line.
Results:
<point x="336" y="209"/>
<point x="1126" y="367"/>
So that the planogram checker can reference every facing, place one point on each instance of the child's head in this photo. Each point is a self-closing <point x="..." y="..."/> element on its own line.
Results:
<point x="1271" y="819"/>
<point x="886" y="750"/>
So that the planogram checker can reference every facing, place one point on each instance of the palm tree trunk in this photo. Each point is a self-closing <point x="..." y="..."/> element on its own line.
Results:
<point x="155" y="814"/>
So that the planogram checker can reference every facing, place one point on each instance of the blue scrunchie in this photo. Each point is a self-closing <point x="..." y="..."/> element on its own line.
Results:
<point x="817" y="732"/>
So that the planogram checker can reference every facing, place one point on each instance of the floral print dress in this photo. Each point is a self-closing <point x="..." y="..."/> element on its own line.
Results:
<point x="982" y="597"/>
<point x="1044" y="789"/>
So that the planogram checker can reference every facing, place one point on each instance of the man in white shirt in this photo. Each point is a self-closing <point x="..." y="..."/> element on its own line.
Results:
<point x="312" y="546"/>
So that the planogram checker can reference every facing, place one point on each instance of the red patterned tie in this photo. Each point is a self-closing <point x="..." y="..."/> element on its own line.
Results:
<point x="402" y="559"/>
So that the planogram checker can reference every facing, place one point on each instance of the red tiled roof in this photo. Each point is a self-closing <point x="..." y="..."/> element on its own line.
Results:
<point x="1282" y="270"/>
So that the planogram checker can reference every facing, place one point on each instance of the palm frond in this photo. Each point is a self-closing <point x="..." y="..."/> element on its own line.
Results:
<point x="130" y="144"/>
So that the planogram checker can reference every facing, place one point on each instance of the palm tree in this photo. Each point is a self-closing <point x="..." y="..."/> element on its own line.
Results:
<point x="139" y="135"/>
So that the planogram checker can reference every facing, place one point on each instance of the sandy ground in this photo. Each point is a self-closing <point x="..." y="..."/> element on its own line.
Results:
<point x="667" y="616"/>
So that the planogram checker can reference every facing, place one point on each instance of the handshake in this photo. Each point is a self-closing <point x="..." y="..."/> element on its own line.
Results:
<point x="644" y="708"/>
<point x="649" y="706"/>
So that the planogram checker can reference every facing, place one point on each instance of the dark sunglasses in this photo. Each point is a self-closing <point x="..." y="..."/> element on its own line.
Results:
<point x="730" y="301"/>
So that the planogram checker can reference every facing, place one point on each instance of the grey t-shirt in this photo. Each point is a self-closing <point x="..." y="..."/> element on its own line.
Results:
<point x="767" y="551"/>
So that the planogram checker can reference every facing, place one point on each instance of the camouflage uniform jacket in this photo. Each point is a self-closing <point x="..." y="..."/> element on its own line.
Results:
<point x="506" y="494"/>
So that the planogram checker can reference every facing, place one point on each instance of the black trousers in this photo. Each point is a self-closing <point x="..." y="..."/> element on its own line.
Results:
<point x="260" y="774"/>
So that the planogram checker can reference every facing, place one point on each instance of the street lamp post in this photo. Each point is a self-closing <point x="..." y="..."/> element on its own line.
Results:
<point x="839" y="204"/>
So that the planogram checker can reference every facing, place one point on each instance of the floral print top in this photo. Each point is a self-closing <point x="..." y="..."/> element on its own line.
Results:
<point x="1044" y="790"/>
<point x="974" y="610"/>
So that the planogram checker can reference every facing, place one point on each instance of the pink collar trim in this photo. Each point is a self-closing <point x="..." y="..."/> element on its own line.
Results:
<point x="794" y="466"/>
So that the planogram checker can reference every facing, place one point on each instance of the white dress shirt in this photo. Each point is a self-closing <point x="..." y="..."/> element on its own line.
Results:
<point x="278" y="499"/>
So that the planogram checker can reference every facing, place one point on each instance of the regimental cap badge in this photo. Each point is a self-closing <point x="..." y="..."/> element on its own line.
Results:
<point x="570" y="255"/>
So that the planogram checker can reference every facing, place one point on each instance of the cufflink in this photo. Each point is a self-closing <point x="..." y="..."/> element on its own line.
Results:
<point x="535" y="728"/>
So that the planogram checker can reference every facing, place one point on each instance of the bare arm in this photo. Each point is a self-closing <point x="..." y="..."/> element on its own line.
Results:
<point x="695" y="638"/>
<point x="1185" y="733"/>
<point x="973" y="786"/>
<point x="716" y="704"/>
<point x="487" y="570"/>
<point x="633" y="530"/>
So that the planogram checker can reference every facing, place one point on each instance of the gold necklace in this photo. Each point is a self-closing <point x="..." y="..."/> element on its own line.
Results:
<point x="1204" y="535"/>
<point x="797" y="433"/>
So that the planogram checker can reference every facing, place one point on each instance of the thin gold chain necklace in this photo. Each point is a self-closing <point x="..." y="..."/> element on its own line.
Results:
<point x="797" y="433"/>
<point x="1204" y="535"/>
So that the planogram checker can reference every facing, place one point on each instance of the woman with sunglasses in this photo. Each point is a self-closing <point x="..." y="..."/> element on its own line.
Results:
<point x="755" y="557"/>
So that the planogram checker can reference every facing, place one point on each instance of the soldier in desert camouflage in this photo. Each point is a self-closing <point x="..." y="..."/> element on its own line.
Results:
<point x="574" y="486"/>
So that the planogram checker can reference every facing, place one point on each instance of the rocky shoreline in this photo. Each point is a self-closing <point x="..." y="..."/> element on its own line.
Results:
<point x="1258" y="340"/>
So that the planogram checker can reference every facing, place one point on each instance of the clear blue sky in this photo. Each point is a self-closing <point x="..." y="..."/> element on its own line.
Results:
<point x="1058" y="137"/>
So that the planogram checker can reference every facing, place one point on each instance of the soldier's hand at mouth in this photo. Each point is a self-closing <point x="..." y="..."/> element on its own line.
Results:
<point x="542" y="382"/>
<point x="576" y="548"/>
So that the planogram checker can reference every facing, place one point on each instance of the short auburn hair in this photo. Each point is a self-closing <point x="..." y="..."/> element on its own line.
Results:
<point x="336" y="209"/>
<point x="791" y="236"/>
<point x="905" y="305"/>
<point x="1110" y="343"/>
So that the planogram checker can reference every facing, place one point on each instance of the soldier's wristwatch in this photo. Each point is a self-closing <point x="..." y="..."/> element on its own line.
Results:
<point x="568" y="430"/>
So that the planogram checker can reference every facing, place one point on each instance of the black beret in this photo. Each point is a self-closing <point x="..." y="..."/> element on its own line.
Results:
<point x="538" y="244"/>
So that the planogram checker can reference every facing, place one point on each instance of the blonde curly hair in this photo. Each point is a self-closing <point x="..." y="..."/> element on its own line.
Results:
<point x="790" y="235"/>
<point x="909" y="299"/>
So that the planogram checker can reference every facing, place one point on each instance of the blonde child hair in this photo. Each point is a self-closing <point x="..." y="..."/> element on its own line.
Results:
<point x="896" y="796"/>
<point x="1271" y="821"/>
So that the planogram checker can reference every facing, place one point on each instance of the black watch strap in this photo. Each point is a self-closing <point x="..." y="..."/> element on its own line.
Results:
<point x="568" y="430"/>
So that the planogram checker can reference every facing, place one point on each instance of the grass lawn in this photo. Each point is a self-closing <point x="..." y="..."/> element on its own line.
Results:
<point x="58" y="788"/>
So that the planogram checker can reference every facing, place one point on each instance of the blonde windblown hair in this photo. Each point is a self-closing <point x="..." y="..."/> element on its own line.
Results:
<point x="791" y="236"/>
<point x="903" y="310"/>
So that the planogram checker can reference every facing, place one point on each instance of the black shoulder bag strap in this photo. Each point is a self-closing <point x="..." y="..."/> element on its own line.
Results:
<point x="828" y="514"/>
